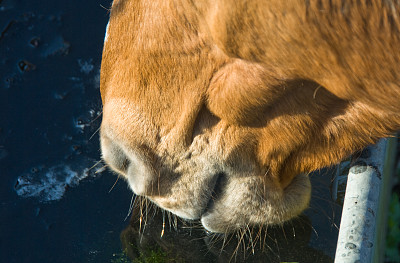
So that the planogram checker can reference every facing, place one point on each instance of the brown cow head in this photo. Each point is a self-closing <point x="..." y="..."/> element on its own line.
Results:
<point x="218" y="111"/>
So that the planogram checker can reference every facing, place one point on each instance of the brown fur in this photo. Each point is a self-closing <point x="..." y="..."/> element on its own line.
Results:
<point x="249" y="94"/>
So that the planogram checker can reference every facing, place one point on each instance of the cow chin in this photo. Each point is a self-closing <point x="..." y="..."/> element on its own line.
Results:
<point x="252" y="203"/>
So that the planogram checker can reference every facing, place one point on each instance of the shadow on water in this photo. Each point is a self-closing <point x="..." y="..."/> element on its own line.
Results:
<point x="157" y="236"/>
<point x="184" y="242"/>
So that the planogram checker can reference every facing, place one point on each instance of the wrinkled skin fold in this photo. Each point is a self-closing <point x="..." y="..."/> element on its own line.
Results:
<point x="218" y="110"/>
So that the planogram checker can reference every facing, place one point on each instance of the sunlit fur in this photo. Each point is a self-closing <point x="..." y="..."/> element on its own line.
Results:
<point x="218" y="110"/>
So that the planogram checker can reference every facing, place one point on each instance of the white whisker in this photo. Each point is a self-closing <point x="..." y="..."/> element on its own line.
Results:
<point x="114" y="184"/>
<point x="98" y="129"/>
<point x="130" y="207"/>
<point x="98" y="162"/>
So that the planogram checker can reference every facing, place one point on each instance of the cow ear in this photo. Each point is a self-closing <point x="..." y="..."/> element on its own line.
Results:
<point x="241" y="90"/>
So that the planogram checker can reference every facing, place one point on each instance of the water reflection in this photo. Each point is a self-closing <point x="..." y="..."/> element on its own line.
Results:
<point x="163" y="238"/>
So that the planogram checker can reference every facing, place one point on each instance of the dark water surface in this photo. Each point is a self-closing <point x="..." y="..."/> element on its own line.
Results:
<point x="53" y="208"/>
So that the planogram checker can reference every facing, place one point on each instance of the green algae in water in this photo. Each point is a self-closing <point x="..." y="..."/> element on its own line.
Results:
<point x="393" y="235"/>
<point x="156" y="255"/>
<point x="152" y="256"/>
<point x="121" y="258"/>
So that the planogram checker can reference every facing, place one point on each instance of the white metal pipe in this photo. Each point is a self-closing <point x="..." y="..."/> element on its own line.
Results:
<point x="362" y="227"/>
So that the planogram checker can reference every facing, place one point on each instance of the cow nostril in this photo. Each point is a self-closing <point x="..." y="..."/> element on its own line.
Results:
<point x="119" y="162"/>
<point x="118" y="159"/>
<point x="135" y="163"/>
<point x="219" y="185"/>
<point x="125" y="164"/>
<point x="114" y="155"/>
<point x="217" y="190"/>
